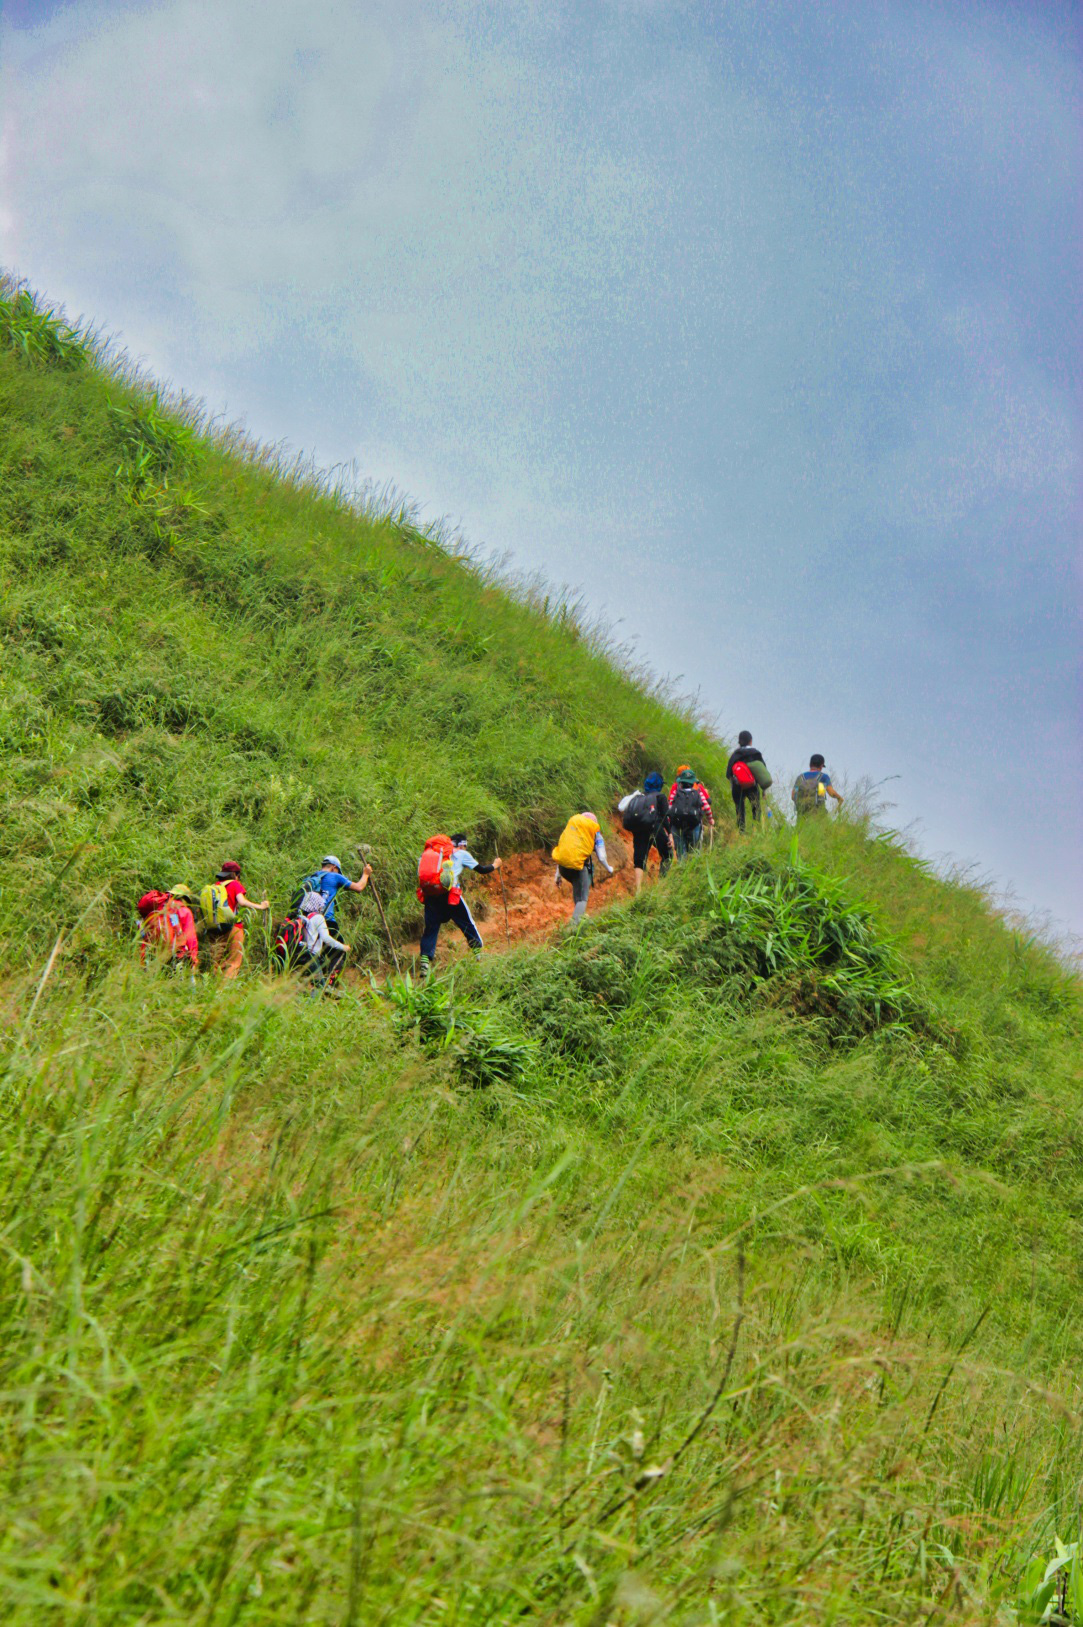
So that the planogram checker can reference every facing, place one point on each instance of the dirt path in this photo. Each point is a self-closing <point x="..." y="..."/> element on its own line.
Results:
<point x="535" y="907"/>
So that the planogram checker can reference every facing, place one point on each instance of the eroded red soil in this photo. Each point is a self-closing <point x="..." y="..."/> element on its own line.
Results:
<point x="535" y="906"/>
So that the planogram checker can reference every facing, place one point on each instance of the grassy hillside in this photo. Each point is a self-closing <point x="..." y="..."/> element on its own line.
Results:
<point x="204" y="659"/>
<point x="719" y="1265"/>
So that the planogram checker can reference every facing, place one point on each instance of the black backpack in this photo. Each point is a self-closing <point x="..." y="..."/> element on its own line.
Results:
<point x="687" y="808"/>
<point x="641" y="813"/>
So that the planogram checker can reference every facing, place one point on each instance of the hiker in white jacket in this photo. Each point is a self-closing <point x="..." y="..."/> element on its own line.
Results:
<point x="318" y="937"/>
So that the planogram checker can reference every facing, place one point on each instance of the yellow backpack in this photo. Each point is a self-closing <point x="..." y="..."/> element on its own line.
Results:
<point x="577" y="842"/>
<point x="214" y="905"/>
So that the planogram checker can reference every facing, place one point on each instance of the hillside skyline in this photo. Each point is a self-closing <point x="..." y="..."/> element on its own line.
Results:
<point x="752" y="329"/>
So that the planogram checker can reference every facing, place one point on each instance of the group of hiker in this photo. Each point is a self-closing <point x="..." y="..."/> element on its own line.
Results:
<point x="207" y="931"/>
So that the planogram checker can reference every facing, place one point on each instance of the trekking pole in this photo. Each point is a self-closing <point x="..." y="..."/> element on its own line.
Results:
<point x="504" y="896"/>
<point x="363" y="852"/>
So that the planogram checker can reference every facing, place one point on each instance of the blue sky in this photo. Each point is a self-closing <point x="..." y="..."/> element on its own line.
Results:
<point x="758" y="322"/>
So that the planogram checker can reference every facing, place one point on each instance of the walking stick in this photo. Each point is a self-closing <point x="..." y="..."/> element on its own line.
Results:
<point x="362" y="852"/>
<point x="504" y="896"/>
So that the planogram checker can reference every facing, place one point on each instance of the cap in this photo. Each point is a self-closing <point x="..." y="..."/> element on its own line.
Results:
<point x="329" y="858"/>
<point x="231" y="868"/>
<point x="181" y="891"/>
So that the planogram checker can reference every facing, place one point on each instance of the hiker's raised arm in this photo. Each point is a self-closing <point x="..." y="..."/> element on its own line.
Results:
<point x="359" y="886"/>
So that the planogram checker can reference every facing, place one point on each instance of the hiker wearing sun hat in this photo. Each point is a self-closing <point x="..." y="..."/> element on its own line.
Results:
<point x="689" y="807"/>
<point x="223" y="930"/>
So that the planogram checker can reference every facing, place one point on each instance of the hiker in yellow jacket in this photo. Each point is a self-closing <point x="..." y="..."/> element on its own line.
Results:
<point x="580" y="840"/>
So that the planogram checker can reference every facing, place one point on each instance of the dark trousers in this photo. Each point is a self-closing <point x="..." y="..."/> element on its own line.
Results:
<point x="439" y="910"/>
<point x="642" y="842"/>
<point x="686" y="838"/>
<point x="743" y="795"/>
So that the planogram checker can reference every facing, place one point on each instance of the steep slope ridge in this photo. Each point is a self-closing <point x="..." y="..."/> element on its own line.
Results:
<point x="201" y="658"/>
<point x="721" y="1265"/>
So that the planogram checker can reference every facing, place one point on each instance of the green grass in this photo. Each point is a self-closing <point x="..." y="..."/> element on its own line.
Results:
<point x="720" y="1264"/>
<point x="203" y="657"/>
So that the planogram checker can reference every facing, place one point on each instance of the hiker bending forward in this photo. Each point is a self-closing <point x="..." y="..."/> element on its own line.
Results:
<point x="439" y="874"/>
<point x="169" y="928"/>
<point x="223" y="930"/>
<point x="322" y="954"/>
<point x="580" y="841"/>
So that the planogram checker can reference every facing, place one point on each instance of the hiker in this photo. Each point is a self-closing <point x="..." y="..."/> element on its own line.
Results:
<point x="305" y="943"/>
<point x="747" y="779"/>
<point x="223" y="930"/>
<point x="439" y="877"/>
<point x="812" y="789"/>
<point x="689" y="805"/>
<point x="329" y="881"/>
<point x="646" y="816"/>
<point x="580" y="840"/>
<point x="169" y="925"/>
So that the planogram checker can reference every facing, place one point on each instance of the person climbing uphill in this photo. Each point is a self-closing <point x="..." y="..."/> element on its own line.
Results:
<point x="169" y="927"/>
<point x="304" y="943"/>
<point x="580" y="840"/>
<point x="329" y="881"/>
<point x="223" y="930"/>
<point x="689" y="805"/>
<point x="326" y="955"/>
<point x="439" y="874"/>
<point x="646" y="816"/>
<point x="812" y="788"/>
<point x="746" y="779"/>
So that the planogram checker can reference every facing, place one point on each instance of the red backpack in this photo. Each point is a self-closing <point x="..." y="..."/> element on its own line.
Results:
<point x="435" y="874"/>
<point x="151" y="903"/>
<point x="743" y="776"/>
<point x="290" y="938"/>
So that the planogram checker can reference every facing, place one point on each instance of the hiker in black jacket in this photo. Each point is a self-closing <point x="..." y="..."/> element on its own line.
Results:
<point x="646" y="815"/>
<point x="745" y="784"/>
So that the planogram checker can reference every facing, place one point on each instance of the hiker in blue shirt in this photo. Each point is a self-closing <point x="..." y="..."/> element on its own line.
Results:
<point x="328" y="880"/>
<point x="812" y="789"/>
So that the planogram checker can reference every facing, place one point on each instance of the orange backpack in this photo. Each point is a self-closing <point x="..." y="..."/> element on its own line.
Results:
<point x="435" y="871"/>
